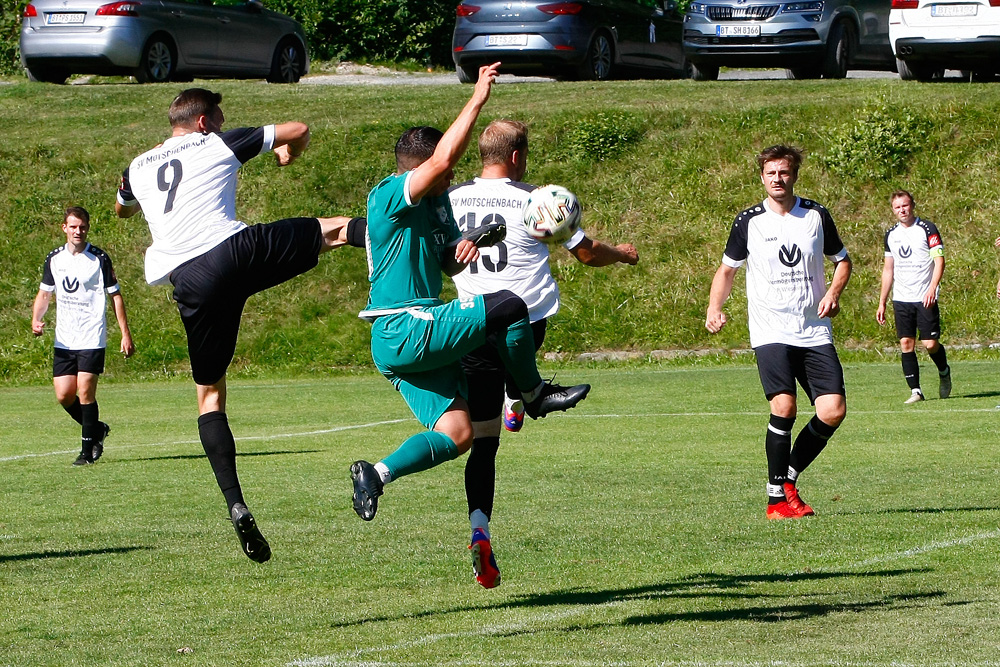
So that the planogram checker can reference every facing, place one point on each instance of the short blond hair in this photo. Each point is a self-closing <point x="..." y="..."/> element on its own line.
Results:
<point x="500" y="139"/>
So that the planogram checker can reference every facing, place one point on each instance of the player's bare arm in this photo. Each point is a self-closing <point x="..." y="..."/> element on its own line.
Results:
<point x="451" y="147"/>
<point x="722" y="285"/>
<point x="126" y="211"/>
<point x="38" y="310"/>
<point x="594" y="253"/>
<point x="883" y="297"/>
<point x="127" y="346"/>
<point x="930" y="298"/>
<point x="290" y="140"/>
<point x="829" y="305"/>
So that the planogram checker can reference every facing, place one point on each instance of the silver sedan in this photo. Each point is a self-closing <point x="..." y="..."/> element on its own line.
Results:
<point x="161" y="40"/>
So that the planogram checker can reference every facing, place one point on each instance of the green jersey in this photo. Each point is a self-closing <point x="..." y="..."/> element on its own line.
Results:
<point x="405" y="243"/>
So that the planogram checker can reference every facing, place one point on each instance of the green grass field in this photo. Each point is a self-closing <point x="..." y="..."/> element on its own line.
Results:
<point x="629" y="531"/>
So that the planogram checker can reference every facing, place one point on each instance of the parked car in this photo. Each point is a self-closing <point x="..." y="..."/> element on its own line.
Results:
<point x="161" y="40"/>
<point x="582" y="39"/>
<point x="928" y="37"/>
<point x="810" y="38"/>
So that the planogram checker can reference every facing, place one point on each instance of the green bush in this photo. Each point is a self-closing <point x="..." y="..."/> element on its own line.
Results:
<point x="10" y="35"/>
<point x="878" y="143"/>
<point x="602" y="135"/>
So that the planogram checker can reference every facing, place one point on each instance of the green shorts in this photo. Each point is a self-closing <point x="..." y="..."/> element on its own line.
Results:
<point x="419" y="349"/>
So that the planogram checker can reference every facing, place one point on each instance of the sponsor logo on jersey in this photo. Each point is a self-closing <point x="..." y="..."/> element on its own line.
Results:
<point x="790" y="256"/>
<point x="933" y="240"/>
<point x="905" y="251"/>
<point x="70" y="284"/>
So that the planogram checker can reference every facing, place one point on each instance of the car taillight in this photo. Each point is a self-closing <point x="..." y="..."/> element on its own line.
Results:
<point x="466" y="10"/>
<point x="29" y="12"/>
<point x="118" y="9"/>
<point x="994" y="3"/>
<point x="905" y="4"/>
<point x="561" y="8"/>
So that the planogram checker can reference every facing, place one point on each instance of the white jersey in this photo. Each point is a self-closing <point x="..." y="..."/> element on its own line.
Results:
<point x="913" y="250"/>
<point x="519" y="263"/>
<point x="785" y="272"/>
<point x="80" y="283"/>
<point x="187" y="189"/>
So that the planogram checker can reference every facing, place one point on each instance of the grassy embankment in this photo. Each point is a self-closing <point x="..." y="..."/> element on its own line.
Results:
<point x="678" y="166"/>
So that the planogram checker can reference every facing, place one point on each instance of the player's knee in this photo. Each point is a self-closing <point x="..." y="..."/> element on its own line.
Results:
<point x="503" y="309"/>
<point x="833" y="415"/>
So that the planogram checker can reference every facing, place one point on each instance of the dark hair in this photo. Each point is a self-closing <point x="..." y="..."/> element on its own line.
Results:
<point x="500" y="139"/>
<point x="415" y="146"/>
<point x="192" y="103"/>
<point x="76" y="212"/>
<point x="902" y="193"/>
<point x="780" y="152"/>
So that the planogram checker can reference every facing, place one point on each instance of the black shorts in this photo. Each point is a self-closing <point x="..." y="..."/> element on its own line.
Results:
<point x="72" y="362"/>
<point x="211" y="289"/>
<point x="913" y="317"/>
<point x="487" y="376"/>
<point x="817" y="369"/>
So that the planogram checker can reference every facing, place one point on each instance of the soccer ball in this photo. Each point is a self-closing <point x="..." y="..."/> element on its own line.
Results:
<point x="551" y="214"/>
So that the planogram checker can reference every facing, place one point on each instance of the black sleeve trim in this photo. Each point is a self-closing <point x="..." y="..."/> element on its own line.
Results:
<point x="246" y="143"/>
<point x="357" y="229"/>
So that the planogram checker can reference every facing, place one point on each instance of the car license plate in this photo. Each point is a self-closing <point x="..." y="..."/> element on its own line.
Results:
<point x="737" y="31"/>
<point x="954" y="10"/>
<point x="506" y="40"/>
<point x="63" y="18"/>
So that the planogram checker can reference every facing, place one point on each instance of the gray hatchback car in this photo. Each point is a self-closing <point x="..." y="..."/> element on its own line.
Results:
<point x="811" y="38"/>
<point x="161" y="40"/>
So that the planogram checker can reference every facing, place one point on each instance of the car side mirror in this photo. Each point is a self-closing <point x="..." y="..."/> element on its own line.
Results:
<point x="669" y="5"/>
<point x="255" y="5"/>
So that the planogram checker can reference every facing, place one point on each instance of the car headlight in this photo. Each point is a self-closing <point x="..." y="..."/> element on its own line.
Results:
<point x="696" y="8"/>
<point x="813" y="6"/>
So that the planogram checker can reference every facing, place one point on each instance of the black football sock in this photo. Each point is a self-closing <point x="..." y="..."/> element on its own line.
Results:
<point x="74" y="411"/>
<point x="480" y="475"/>
<point x="911" y="370"/>
<point x="811" y="441"/>
<point x="220" y="447"/>
<point x="90" y="419"/>
<point x="777" y="444"/>
<point x="940" y="359"/>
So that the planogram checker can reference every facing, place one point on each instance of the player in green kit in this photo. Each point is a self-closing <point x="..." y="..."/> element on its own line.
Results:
<point x="417" y="340"/>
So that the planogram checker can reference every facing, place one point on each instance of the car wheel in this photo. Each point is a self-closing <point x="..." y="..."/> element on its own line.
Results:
<point x="467" y="74"/>
<point x="45" y="75"/>
<point x="158" y="61"/>
<point x="918" y="72"/>
<point x="839" y="48"/>
<point x="703" y="72"/>
<point x="288" y="63"/>
<point x="599" y="63"/>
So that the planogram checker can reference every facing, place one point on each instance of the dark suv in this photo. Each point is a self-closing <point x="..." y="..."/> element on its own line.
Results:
<point x="585" y="39"/>
<point x="811" y="38"/>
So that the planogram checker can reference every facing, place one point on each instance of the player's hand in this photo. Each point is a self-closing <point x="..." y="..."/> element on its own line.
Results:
<point x="466" y="252"/>
<point x="714" y="321"/>
<point x="284" y="155"/>
<point x="880" y="314"/>
<point x="930" y="298"/>
<point x="631" y="255"/>
<point x="38" y="327"/>
<point x="828" y="307"/>
<point x="127" y="347"/>
<point x="487" y="75"/>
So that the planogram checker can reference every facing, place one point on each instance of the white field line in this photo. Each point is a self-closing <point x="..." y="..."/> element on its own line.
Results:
<point x="249" y="438"/>
<point x="352" y="659"/>
<point x="647" y="415"/>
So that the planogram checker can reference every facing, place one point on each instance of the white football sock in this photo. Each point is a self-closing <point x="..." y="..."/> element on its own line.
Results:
<point x="478" y="519"/>
<point x="383" y="472"/>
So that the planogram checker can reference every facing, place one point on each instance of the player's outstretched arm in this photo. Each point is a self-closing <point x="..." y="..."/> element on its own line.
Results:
<point x="455" y="140"/>
<point x="127" y="346"/>
<point x="290" y="140"/>
<point x="595" y="253"/>
<point x="722" y="285"/>
<point x="38" y="310"/>
<point x="829" y="305"/>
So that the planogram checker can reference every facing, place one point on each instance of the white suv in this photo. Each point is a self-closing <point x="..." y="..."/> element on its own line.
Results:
<point x="929" y="36"/>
